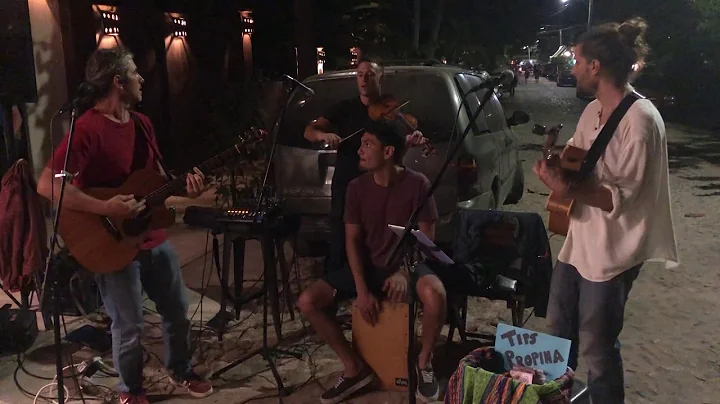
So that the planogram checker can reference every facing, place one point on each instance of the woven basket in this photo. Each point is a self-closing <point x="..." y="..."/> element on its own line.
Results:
<point x="481" y="378"/>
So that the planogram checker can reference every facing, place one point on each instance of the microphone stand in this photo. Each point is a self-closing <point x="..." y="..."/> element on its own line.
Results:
<point x="52" y="266"/>
<point x="407" y="240"/>
<point x="412" y="222"/>
<point x="269" y="261"/>
<point x="269" y="256"/>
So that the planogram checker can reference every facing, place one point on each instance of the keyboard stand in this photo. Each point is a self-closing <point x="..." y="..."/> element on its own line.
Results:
<point x="269" y="291"/>
<point x="273" y="256"/>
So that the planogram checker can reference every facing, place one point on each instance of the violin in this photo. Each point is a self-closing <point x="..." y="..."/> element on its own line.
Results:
<point x="386" y="106"/>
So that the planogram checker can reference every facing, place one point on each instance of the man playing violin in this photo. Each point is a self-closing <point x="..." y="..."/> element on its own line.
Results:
<point x="387" y="193"/>
<point x="334" y="129"/>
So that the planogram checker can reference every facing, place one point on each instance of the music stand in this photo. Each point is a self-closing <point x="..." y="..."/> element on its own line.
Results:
<point x="419" y="243"/>
<point x="406" y="238"/>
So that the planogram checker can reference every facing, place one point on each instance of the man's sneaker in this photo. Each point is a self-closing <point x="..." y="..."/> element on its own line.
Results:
<point x="345" y="387"/>
<point x="196" y="385"/>
<point x="126" y="398"/>
<point x="428" y="388"/>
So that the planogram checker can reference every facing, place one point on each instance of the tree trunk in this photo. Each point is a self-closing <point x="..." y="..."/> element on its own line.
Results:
<point x="416" y="26"/>
<point x="306" y="49"/>
<point x="435" y="32"/>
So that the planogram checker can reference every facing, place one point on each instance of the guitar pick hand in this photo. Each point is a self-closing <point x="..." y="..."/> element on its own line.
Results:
<point x="551" y="177"/>
<point x="123" y="206"/>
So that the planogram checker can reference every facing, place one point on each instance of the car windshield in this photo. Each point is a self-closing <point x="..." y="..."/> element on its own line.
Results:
<point x="428" y="93"/>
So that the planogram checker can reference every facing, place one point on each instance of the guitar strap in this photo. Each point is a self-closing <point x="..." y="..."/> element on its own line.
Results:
<point x="142" y="141"/>
<point x="600" y="144"/>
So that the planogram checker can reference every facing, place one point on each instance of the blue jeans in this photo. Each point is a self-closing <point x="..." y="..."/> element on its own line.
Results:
<point x="592" y="311"/>
<point x="157" y="271"/>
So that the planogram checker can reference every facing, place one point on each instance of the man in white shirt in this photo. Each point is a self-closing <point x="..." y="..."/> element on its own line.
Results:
<point x="622" y="215"/>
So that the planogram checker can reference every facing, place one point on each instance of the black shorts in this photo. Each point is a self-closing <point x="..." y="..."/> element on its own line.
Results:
<point x="342" y="281"/>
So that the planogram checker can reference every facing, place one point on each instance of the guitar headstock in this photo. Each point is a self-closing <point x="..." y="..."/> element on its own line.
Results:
<point x="250" y="140"/>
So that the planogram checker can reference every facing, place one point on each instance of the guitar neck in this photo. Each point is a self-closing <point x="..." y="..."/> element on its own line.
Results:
<point x="549" y="145"/>
<point x="178" y="184"/>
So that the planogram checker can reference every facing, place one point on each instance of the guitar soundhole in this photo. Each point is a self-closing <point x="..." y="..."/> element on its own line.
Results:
<point x="136" y="226"/>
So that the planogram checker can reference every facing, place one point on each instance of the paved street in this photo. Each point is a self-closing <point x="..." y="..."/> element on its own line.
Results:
<point x="670" y="344"/>
<point x="670" y="341"/>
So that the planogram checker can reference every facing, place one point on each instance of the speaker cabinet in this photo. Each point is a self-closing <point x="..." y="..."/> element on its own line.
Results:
<point x="17" y="61"/>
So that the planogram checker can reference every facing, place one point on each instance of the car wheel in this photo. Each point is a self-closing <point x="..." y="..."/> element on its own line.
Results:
<point x="518" y="188"/>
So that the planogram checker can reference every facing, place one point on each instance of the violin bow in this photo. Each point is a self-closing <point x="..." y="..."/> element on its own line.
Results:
<point x="363" y="129"/>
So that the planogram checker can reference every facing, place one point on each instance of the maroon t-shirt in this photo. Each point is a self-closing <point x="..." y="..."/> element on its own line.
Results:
<point x="373" y="207"/>
<point x="101" y="155"/>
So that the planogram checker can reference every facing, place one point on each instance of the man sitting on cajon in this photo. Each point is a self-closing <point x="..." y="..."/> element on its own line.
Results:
<point x="387" y="193"/>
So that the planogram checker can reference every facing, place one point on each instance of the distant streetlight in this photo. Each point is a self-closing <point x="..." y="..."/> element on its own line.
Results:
<point x="590" y="7"/>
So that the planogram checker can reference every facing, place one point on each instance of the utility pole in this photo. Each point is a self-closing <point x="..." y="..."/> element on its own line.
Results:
<point x="561" y="41"/>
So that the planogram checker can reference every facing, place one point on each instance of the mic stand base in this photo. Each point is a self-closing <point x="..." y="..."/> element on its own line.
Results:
<point x="56" y="331"/>
<point x="269" y="353"/>
<point x="54" y="268"/>
<point x="412" y="357"/>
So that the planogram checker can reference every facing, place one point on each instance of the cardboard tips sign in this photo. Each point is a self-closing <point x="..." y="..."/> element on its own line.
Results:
<point x="522" y="347"/>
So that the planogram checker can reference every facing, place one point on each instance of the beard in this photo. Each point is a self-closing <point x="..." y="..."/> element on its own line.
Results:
<point x="587" y="87"/>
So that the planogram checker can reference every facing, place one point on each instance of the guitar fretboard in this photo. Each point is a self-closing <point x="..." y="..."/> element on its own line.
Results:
<point x="178" y="184"/>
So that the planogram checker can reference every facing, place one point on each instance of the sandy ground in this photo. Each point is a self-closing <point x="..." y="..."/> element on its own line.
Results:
<point x="670" y="346"/>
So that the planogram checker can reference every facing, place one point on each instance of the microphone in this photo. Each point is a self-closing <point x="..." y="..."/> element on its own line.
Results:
<point x="504" y="79"/>
<point x="70" y="105"/>
<point x="296" y="81"/>
<point x="83" y="90"/>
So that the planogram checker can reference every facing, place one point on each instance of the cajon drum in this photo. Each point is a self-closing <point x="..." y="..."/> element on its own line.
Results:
<point x="385" y="347"/>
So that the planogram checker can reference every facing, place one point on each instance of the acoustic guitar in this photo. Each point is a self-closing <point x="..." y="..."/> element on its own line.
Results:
<point x="570" y="160"/>
<point x="107" y="244"/>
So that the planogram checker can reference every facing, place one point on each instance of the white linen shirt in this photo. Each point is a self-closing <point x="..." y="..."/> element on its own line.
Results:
<point x="634" y="167"/>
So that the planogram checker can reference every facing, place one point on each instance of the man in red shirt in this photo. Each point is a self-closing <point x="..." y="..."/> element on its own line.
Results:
<point x="387" y="193"/>
<point x="104" y="152"/>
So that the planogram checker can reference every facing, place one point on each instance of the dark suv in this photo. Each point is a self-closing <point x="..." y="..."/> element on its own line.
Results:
<point x="566" y="79"/>
<point x="485" y="173"/>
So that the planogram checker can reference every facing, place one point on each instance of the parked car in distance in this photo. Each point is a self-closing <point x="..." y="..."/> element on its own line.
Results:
<point x="484" y="174"/>
<point x="566" y="79"/>
<point x="651" y="84"/>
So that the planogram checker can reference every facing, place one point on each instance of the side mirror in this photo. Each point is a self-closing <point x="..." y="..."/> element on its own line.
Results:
<point x="518" y="118"/>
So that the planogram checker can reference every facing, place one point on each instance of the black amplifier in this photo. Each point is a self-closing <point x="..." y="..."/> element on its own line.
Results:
<point x="18" y="329"/>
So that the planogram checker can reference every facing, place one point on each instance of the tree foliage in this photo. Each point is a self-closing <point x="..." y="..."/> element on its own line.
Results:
<point x="709" y="18"/>
<point x="473" y="31"/>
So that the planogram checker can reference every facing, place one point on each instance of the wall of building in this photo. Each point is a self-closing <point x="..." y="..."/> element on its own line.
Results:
<point x="51" y="80"/>
<point x="184" y="76"/>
